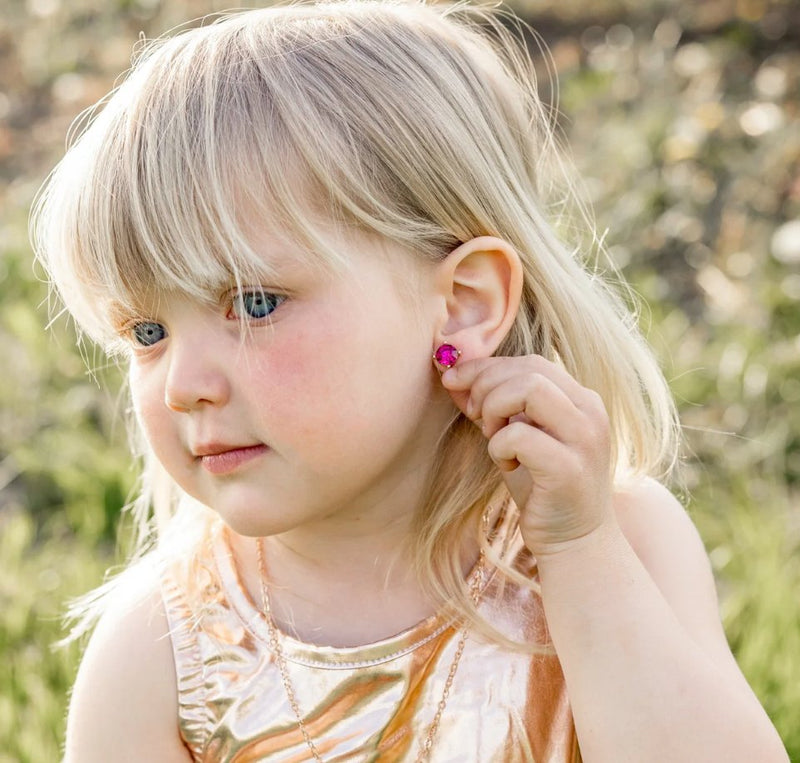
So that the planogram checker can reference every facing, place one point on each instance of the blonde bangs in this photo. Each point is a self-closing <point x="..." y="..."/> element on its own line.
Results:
<point x="168" y="184"/>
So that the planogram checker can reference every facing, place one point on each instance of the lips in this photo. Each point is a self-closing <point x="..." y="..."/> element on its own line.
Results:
<point x="220" y="458"/>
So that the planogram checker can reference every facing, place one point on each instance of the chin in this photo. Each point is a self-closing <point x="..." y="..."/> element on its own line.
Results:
<point x="251" y="523"/>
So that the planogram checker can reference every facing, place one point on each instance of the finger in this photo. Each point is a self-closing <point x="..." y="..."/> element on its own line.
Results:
<point x="538" y="400"/>
<point x="461" y="376"/>
<point x="519" y="444"/>
<point x="458" y="386"/>
<point x="479" y="376"/>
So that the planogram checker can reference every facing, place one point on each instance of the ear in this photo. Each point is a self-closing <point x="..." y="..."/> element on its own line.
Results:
<point x="479" y="286"/>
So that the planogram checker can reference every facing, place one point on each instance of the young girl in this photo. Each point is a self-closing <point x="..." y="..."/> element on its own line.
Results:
<point x="400" y="443"/>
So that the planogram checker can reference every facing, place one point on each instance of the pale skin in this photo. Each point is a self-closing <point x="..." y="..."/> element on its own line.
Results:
<point x="627" y="588"/>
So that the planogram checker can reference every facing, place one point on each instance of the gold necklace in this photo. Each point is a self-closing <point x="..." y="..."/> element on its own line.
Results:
<point x="475" y="582"/>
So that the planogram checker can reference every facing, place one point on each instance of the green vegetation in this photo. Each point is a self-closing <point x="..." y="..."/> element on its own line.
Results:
<point x="682" y="118"/>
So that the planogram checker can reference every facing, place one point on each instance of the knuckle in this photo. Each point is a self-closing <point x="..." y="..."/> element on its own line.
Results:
<point x="514" y="435"/>
<point x="535" y="365"/>
<point x="480" y="388"/>
<point x="534" y="379"/>
<point x="506" y="439"/>
<point x="496" y="449"/>
<point x="533" y="388"/>
<point x="595" y="410"/>
<point x="594" y="402"/>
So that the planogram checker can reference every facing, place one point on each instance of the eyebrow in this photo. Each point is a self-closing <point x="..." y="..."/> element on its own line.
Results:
<point x="119" y="313"/>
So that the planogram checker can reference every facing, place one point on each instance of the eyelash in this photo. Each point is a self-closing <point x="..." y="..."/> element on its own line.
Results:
<point x="259" y="298"/>
<point x="146" y="334"/>
<point x="151" y="327"/>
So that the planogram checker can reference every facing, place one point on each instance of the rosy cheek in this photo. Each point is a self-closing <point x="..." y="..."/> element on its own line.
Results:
<point x="305" y="358"/>
<point x="293" y="359"/>
<point x="303" y="377"/>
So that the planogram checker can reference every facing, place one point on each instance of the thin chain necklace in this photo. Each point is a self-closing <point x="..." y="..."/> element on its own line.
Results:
<point x="475" y="583"/>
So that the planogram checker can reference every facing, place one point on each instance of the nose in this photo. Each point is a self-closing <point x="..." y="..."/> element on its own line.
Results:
<point x="197" y="376"/>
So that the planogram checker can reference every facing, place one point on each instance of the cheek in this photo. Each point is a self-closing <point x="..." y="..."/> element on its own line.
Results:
<point x="152" y="416"/>
<point x="303" y="382"/>
<point x="141" y="395"/>
<point x="349" y="389"/>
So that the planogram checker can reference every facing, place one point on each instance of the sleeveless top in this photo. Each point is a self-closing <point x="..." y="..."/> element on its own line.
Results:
<point x="365" y="703"/>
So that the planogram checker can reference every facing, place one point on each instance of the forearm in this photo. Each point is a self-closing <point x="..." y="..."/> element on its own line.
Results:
<point x="641" y="688"/>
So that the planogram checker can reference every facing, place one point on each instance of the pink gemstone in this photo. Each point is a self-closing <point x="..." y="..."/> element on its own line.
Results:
<point x="446" y="355"/>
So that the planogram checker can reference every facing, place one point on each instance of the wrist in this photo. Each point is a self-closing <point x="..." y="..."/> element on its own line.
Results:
<point x="605" y="541"/>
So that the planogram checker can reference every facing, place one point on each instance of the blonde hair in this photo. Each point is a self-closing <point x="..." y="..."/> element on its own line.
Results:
<point x="418" y="123"/>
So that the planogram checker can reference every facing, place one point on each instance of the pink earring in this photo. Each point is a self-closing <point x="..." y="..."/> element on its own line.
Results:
<point x="446" y="355"/>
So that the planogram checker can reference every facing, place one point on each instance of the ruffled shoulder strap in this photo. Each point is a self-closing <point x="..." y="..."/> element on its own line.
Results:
<point x="193" y="716"/>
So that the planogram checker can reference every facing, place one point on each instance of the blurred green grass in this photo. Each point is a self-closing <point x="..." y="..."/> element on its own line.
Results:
<point x="683" y="120"/>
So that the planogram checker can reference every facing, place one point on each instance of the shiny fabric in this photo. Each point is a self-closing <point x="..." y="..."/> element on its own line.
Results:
<point x="369" y="703"/>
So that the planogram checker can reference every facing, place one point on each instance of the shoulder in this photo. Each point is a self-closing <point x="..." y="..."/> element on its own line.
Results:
<point x="653" y="521"/>
<point x="124" y="703"/>
<point x="662" y="535"/>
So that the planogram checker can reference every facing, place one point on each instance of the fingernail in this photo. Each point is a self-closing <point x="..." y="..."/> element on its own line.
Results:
<point x="449" y="375"/>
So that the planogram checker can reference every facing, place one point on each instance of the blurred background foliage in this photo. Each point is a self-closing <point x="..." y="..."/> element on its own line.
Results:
<point x="683" y="122"/>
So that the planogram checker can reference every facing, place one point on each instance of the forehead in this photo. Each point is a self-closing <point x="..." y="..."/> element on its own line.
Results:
<point x="341" y="254"/>
<point x="357" y="259"/>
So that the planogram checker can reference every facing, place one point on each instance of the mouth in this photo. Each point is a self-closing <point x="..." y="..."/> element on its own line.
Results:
<point x="223" y="459"/>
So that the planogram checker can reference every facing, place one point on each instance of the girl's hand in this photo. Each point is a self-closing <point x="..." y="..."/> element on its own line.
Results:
<point x="550" y="438"/>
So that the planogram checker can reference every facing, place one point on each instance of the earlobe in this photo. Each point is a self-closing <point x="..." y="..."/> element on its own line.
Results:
<point x="480" y="287"/>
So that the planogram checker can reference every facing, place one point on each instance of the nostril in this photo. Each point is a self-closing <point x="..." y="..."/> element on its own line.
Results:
<point x="173" y="406"/>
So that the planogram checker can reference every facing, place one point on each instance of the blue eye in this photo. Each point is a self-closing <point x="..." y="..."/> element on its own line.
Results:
<point x="147" y="333"/>
<point x="254" y="304"/>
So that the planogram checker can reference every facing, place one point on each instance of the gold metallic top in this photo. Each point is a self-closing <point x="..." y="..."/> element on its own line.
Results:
<point x="366" y="703"/>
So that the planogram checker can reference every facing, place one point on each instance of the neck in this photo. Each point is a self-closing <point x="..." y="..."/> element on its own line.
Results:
<point x="348" y="586"/>
<point x="351" y="594"/>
